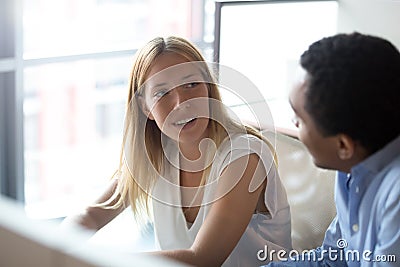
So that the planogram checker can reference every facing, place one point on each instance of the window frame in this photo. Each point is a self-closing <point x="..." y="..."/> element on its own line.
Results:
<point x="11" y="101"/>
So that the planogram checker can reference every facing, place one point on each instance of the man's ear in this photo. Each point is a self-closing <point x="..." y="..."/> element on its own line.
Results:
<point x="144" y="108"/>
<point x="346" y="147"/>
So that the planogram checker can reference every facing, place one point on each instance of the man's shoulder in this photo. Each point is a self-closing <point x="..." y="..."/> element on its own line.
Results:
<point x="389" y="187"/>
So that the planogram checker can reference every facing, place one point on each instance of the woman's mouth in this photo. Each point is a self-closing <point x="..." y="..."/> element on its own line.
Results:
<point x="185" y="122"/>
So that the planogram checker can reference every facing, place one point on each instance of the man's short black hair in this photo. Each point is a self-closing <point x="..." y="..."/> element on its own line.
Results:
<point x="354" y="88"/>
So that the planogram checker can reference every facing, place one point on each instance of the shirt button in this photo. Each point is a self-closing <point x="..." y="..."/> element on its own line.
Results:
<point x="357" y="189"/>
<point x="355" y="227"/>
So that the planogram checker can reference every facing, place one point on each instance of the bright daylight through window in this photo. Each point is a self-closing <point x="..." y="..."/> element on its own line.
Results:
<point x="78" y="56"/>
<point x="68" y="64"/>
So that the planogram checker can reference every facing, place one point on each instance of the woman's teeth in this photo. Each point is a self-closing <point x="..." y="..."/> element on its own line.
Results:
<point x="184" y="121"/>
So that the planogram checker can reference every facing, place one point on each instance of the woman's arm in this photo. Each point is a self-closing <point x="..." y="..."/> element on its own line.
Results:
<point x="93" y="217"/>
<point x="228" y="217"/>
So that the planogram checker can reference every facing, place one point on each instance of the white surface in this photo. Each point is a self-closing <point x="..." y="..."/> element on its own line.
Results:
<point x="377" y="17"/>
<point x="26" y="242"/>
<point x="125" y="235"/>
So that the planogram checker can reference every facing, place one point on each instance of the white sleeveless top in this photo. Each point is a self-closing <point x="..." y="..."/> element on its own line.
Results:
<point x="272" y="230"/>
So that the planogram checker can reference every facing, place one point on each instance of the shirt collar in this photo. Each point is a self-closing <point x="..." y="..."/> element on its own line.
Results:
<point x="363" y="173"/>
<point x="380" y="159"/>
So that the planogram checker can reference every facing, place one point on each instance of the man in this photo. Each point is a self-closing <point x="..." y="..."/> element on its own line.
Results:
<point x="347" y="111"/>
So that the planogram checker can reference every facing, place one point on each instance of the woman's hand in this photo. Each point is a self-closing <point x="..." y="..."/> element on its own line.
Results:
<point x="95" y="217"/>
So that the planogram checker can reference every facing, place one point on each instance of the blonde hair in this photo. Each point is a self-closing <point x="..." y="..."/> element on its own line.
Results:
<point x="141" y="162"/>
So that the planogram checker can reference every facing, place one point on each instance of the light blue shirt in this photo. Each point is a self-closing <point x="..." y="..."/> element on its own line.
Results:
<point x="366" y="230"/>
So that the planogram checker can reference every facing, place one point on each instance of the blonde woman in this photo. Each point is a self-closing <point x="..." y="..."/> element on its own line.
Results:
<point x="208" y="183"/>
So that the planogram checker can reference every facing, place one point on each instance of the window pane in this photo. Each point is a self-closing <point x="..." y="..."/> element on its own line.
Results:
<point x="266" y="43"/>
<point x="64" y="27"/>
<point x="73" y="130"/>
<point x="74" y="108"/>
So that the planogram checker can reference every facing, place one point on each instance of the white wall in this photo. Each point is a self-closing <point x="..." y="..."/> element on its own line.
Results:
<point x="376" y="17"/>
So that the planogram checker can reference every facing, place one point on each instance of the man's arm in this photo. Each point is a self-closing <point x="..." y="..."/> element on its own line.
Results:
<point x="387" y="249"/>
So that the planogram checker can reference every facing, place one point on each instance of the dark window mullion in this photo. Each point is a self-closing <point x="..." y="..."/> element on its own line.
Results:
<point x="11" y="101"/>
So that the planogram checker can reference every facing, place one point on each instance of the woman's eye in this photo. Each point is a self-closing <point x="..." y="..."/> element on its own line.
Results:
<point x="160" y="93"/>
<point x="190" y="85"/>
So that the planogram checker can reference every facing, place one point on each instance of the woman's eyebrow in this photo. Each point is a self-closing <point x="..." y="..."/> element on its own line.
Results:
<point x="190" y="76"/>
<point x="159" y="85"/>
<point x="163" y="84"/>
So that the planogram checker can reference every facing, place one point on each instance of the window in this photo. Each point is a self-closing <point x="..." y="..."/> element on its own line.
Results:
<point x="65" y="65"/>
<point x="64" y="69"/>
<point x="73" y="118"/>
<point x="264" y="39"/>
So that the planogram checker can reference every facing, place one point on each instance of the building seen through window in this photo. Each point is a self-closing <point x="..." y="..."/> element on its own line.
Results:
<point x="78" y="56"/>
<point x="73" y="60"/>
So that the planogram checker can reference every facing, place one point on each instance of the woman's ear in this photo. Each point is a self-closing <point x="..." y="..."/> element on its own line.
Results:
<point x="346" y="147"/>
<point x="144" y="108"/>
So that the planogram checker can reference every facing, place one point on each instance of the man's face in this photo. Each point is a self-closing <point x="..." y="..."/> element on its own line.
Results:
<point x="322" y="149"/>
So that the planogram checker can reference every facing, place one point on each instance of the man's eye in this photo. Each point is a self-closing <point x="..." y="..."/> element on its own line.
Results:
<point x="296" y="122"/>
<point x="190" y="85"/>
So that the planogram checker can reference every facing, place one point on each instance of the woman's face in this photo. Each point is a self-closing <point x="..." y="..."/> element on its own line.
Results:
<point x="176" y="98"/>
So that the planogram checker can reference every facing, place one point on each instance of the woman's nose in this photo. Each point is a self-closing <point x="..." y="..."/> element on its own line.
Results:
<point x="179" y="96"/>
